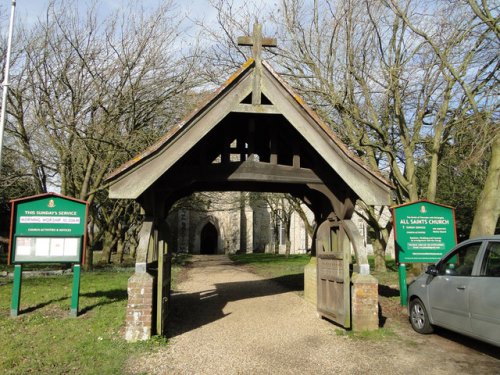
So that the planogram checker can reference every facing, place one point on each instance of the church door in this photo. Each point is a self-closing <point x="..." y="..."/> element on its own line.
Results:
<point x="208" y="239"/>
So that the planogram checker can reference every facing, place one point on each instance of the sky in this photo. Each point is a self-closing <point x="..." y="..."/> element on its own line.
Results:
<point x="27" y="12"/>
<point x="30" y="10"/>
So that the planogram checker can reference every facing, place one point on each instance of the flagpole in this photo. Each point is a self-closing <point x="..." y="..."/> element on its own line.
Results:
<point x="6" y="77"/>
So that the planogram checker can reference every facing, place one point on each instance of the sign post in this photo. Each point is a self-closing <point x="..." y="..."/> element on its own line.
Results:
<point x="403" y="292"/>
<point x="47" y="228"/>
<point x="16" y="291"/>
<point x="75" y="291"/>
<point x="423" y="232"/>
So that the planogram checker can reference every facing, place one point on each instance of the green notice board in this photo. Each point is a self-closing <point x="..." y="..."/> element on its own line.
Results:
<point x="424" y="231"/>
<point x="47" y="228"/>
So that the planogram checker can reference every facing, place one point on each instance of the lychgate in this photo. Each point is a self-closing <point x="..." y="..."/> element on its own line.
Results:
<point x="252" y="134"/>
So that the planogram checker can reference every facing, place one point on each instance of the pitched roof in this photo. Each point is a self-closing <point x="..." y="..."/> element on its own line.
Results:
<point x="373" y="188"/>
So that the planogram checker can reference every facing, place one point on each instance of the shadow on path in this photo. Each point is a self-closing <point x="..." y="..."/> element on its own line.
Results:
<point x="193" y="310"/>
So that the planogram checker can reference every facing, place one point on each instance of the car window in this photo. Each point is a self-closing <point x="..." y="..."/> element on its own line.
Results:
<point x="460" y="262"/>
<point x="491" y="264"/>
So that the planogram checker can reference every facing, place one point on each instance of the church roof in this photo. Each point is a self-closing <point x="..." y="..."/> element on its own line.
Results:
<point x="127" y="181"/>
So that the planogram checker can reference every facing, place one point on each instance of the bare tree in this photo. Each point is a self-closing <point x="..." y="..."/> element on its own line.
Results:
<point x="469" y="59"/>
<point x="92" y="93"/>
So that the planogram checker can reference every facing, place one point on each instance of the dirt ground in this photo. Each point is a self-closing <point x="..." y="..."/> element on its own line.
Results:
<point x="227" y="320"/>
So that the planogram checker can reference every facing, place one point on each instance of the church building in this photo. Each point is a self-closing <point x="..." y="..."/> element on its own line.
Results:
<point x="233" y="222"/>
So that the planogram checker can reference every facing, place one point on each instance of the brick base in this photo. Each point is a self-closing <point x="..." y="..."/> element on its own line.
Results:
<point x="140" y="307"/>
<point x="311" y="282"/>
<point x="364" y="303"/>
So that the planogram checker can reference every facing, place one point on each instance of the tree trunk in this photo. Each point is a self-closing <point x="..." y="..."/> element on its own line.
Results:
<point x="132" y="240"/>
<point x="107" y="247"/>
<point x="288" y="247"/>
<point x="86" y="180"/>
<point x="373" y="216"/>
<point x="437" y="142"/>
<point x="89" y="251"/>
<point x="488" y="204"/>
<point x="120" y="246"/>
<point x="120" y="243"/>
<point x="89" y="258"/>
<point x="276" y="239"/>
<point x="379" y="256"/>
<point x="288" y="242"/>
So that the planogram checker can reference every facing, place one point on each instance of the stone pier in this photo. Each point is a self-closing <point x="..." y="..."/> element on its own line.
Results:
<point x="364" y="303"/>
<point x="139" y="318"/>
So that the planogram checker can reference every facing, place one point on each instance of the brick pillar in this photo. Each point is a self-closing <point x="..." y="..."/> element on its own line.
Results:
<point x="311" y="281"/>
<point x="364" y="303"/>
<point x="140" y="307"/>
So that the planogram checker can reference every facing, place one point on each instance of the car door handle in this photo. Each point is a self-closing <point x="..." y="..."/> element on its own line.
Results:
<point x="460" y="287"/>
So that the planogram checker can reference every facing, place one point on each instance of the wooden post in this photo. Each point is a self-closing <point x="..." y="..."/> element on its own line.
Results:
<point x="159" y="292"/>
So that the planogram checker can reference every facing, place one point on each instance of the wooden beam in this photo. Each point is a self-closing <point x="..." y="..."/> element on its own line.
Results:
<point x="258" y="108"/>
<point x="274" y="147"/>
<point x="251" y="171"/>
<point x="296" y="161"/>
<point x="296" y="155"/>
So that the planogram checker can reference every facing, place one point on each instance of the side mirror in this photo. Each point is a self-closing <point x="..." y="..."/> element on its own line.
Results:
<point x="432" y="270"/>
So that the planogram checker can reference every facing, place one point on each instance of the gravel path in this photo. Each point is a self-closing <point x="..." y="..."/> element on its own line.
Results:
<point x="226" y="320"/>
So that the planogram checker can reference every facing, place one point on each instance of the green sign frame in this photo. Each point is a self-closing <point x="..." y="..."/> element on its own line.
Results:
<point x="48" y="228"/>
<point x="423" y="231"/>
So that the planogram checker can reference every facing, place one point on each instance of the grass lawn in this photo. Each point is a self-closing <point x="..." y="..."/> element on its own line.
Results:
<point x="43" y="339"/>
<point x="271" y="265"/>
<point x="287" y="271"/>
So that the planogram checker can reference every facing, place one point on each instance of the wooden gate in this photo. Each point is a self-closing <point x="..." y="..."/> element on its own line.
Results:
<point x="163" y="287"/>
<point x="334" y="289"/>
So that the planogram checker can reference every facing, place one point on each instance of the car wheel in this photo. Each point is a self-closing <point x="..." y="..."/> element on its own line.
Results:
<point x="419" y="318"/>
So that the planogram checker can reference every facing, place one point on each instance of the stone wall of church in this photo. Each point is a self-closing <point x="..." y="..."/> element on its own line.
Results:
<point x="262" y="229"/>
<point x="189" y="228"/>
<point x="239" y="227"/>
<point x="300" y="240"/>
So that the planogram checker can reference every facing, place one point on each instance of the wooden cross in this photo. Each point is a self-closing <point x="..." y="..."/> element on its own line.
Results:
<point x="257" y="42"/>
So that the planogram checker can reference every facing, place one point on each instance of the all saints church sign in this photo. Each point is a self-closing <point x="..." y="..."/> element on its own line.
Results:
<point x="424" y="231"/>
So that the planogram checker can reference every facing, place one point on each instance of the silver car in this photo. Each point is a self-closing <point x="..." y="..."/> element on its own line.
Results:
<point x="461" y="292"/>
